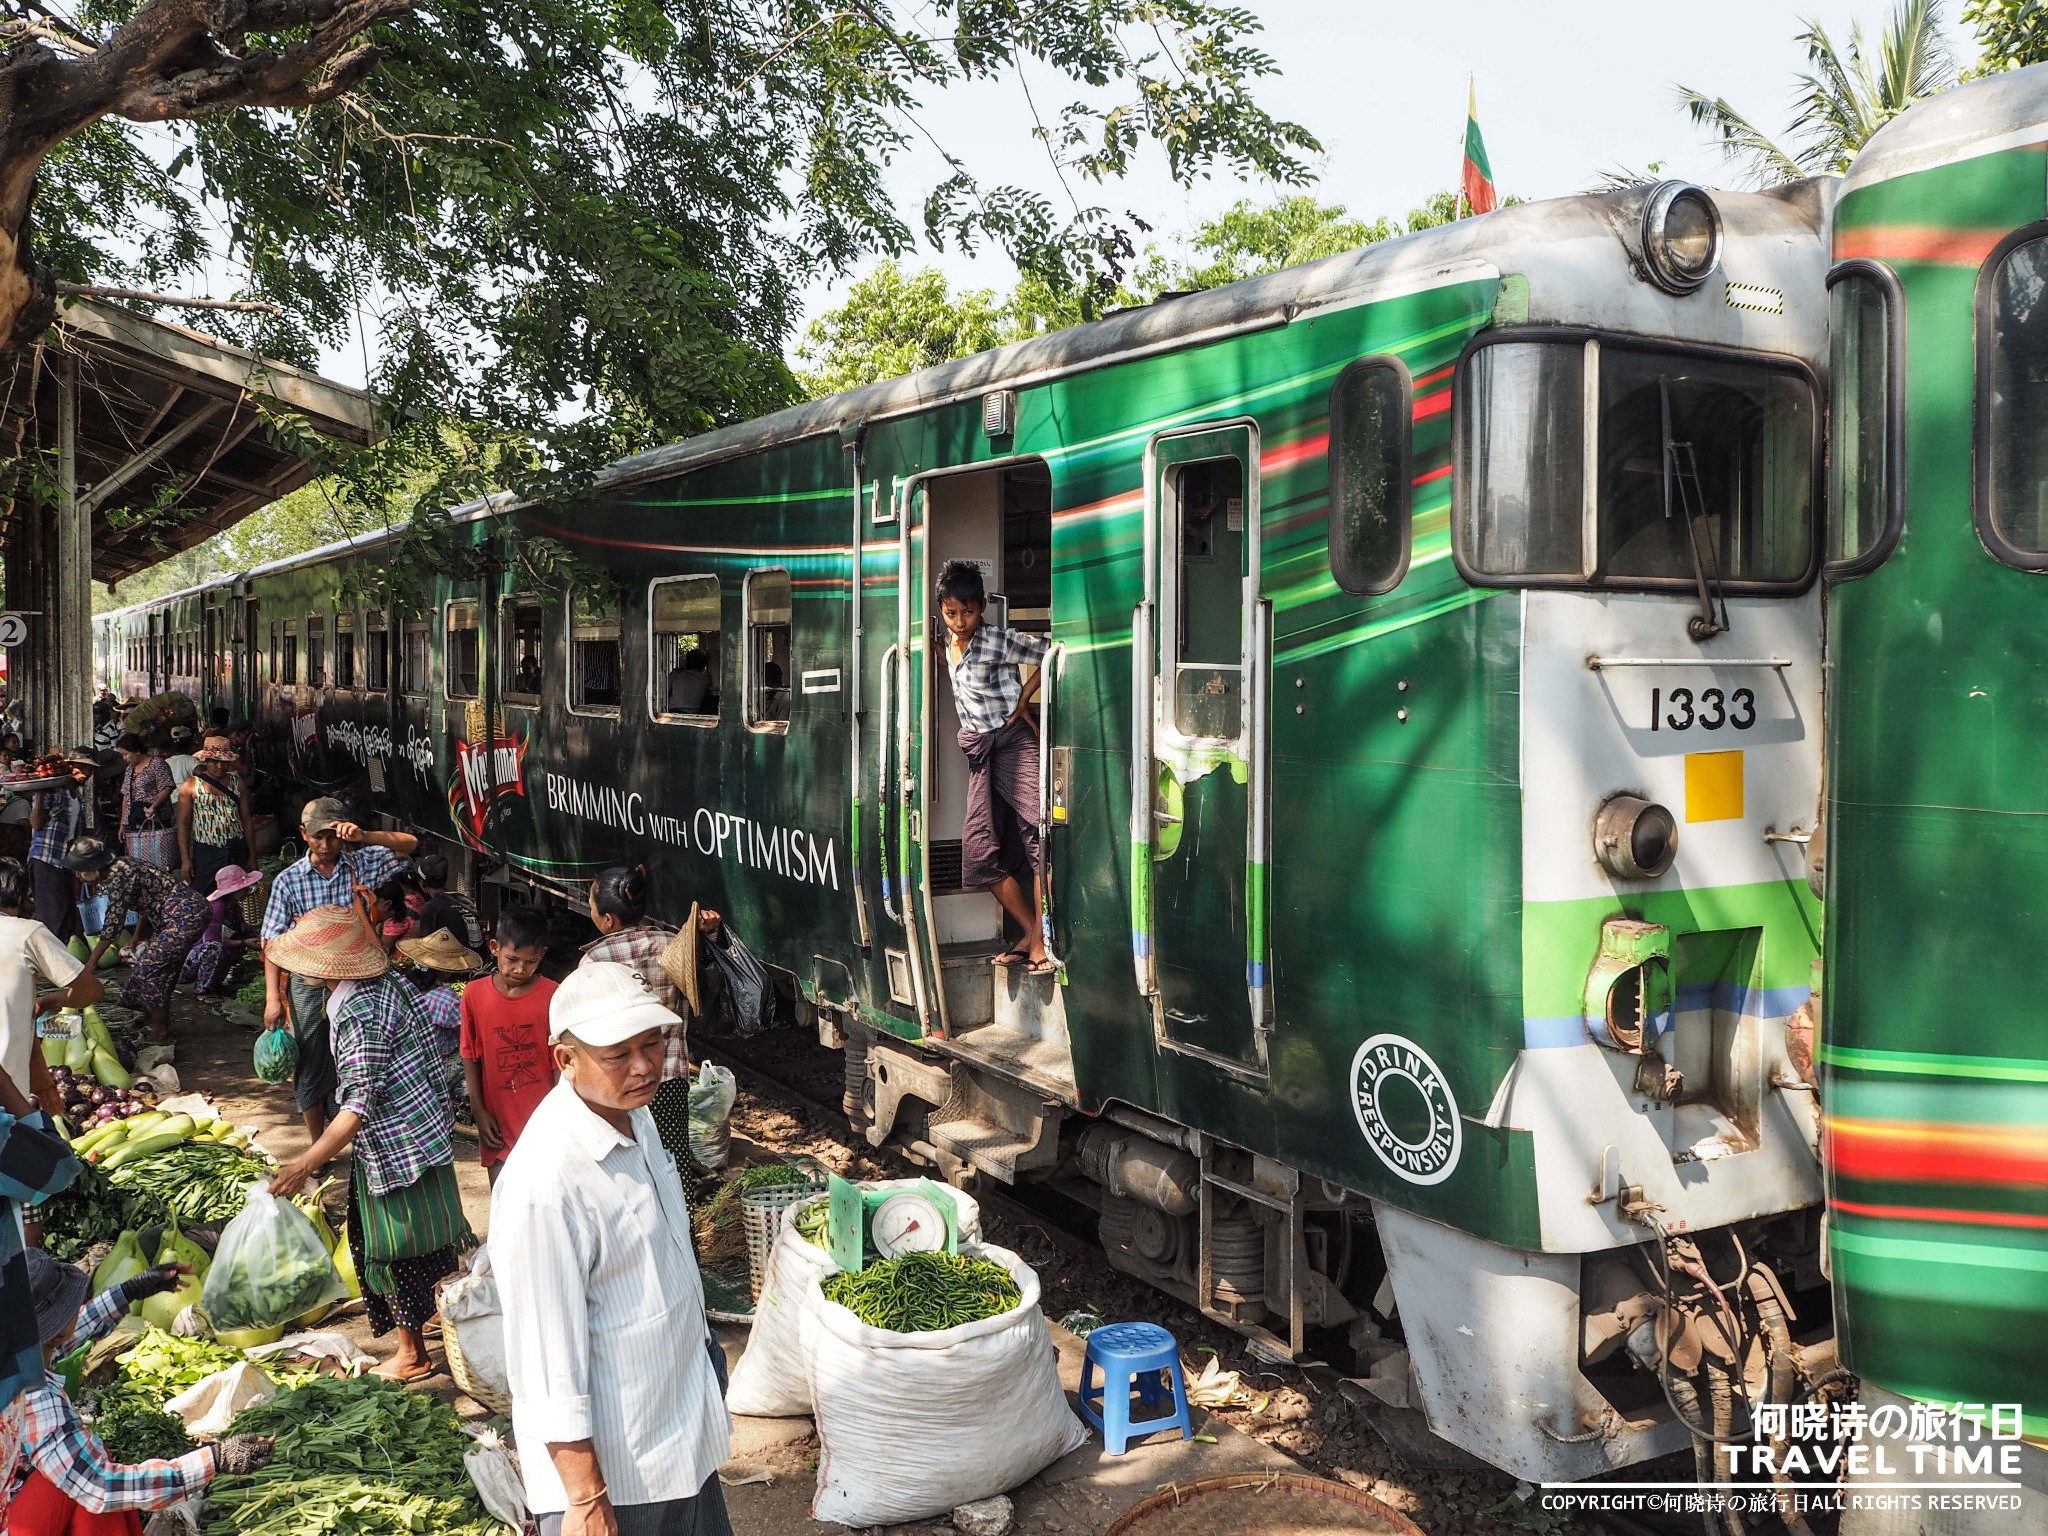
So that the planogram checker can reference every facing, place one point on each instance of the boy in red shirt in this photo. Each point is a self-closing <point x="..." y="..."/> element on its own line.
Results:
<point x="505" y="1053"/>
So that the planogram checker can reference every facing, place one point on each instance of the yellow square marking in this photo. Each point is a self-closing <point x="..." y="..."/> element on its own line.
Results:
<point x="1713" y="786"/>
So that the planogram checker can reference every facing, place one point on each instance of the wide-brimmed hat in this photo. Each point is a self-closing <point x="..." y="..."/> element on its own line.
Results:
<point x="330" y="944"/>
<point x="84" y="757"/>
<point x="57" y="1291"/>
<point x="603" y="1003"/>
<point x="679" y="960"/>
<point x="87" y="856"/>
<point x="233" y="879"/>
<point x="442" y="951"/>
<point x="216" y="754"/>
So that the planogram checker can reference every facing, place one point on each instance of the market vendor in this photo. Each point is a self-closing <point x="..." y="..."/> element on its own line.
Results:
<point x="35" y="1163"/>
<point x="63" y="1482"/>
<point x="405" y="1223"/>
<point x="341" y="860"/>
<point x="54" y="820"/>
<point x="171" y="916"/>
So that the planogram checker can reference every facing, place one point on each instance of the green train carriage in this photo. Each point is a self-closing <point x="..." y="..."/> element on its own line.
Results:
<point x="1434" y="689"/>
<point x="1936" y="1074"/>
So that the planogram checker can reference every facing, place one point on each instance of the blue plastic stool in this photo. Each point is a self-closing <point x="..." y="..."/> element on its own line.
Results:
<point x="1132" y="1356"/>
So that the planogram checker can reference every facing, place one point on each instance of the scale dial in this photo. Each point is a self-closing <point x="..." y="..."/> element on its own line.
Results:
<point x="907" y="1223"/>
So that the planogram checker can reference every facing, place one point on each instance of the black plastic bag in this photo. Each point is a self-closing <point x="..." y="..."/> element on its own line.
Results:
<point x="746" y="1003"/>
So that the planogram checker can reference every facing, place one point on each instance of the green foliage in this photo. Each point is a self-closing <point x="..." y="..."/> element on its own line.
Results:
<point x="1845" y="96"/>
<point x="1251" y="239"/>
<point x="584" y="226"/>
<point x="2011" y="33"/>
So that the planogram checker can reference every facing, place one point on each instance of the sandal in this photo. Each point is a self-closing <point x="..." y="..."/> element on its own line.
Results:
<point x="1046" y="966"/>
<point x="1011" y="957"/>
<point x="405" y="1378"/>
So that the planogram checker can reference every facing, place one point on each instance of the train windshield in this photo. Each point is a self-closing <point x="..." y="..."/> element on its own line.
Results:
<point x="1692" y="469"/>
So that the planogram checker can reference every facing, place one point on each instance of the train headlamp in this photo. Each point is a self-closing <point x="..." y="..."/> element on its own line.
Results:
<point x="1635" y="839"/>
<point x="1681" y="236"/>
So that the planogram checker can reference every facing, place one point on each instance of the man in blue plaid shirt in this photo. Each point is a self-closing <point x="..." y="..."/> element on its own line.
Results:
<point x="56" y="1469"/>
<point x="54" y="819"/>
<point x="35" y="1162"/>
<point x="999" y="841"/>
<point x="341" y="859"/>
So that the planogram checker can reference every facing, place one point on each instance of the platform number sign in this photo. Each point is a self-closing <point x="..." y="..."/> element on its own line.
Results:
<point x="1406" y="1109"/>
<point x="13" y="628"/>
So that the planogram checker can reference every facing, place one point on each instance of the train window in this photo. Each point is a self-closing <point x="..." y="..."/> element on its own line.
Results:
<point x="2012" y="409"/>
<point x="376" y="652"/>
<point x="344" y="649"/>
<point x="1866" y="492"/>
<point x="1369" y="476"/>
<point x="683" y="673"/>
<point x="1702" y="468"/>
<point x="519" y="625"/>
<point x="594" y="658"/>
<point x="316" y="650"/>
<point x="416" y="661"/>
<point x="1208" y="650"/>
<point x="462" y="650"/>
<point x="288" y="653"/>
<point x="1524" y="504"/>
<point x="765" y="597"/>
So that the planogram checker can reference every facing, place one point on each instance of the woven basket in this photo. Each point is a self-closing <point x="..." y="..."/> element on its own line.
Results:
<point x="761" y="1215"/>
<point x="466" y="1381"/>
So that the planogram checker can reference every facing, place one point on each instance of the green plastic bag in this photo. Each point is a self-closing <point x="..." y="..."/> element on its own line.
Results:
<point x="277" y="1055"/>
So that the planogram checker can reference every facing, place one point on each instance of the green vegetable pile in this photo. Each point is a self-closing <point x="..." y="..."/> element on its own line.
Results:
<point x="925" y="1292"/>
<point x="92" y="1210"/>
<point x="812" y="1221"/>
<point x="159" y="1367"/>
<point x="197" y="1181"/>
<point x="721" y="1235"/>
<point x="135" y="1433"/>
<point x="358" y="1457"/>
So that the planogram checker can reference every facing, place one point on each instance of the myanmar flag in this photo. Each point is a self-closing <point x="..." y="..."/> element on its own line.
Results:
<point x="1476" y="181"/>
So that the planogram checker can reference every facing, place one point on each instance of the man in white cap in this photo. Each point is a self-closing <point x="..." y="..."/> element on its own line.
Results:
<point x="617" y="1383"/>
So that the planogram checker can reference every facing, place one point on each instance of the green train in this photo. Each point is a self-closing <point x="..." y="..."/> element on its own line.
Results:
<point x="1430" y="736"/>
<point x="1935" y="1061"/>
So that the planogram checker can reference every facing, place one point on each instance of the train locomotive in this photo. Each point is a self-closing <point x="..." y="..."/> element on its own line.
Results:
<point x="1934" y="1069"/>
<point x="1430" y="735"/>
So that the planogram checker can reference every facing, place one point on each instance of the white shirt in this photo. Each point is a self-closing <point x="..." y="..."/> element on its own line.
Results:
<point x="182" y="765"/>
<point x="604" y="1311"/>
<point x="27" y="950"/>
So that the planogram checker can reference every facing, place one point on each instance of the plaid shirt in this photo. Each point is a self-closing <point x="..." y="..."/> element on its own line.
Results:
<point x="299" y="888"/>
<point x="60" y="825"/>
<point x="639" y="948"/>
<point x="986" y="684"/>
<point x="48" y="1438"/>
<point x="390" y="1066"/>
<point x="35" y="1162"/>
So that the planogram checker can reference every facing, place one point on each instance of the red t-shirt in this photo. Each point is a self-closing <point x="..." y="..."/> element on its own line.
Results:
<point x="507" y="1037"/>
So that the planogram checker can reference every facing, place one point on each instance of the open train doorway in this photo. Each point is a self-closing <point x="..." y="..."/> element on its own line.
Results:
<point x="1003" y="1016"/>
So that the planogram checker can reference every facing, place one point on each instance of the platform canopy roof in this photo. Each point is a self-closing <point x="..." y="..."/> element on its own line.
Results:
<point x="160" y="404"/>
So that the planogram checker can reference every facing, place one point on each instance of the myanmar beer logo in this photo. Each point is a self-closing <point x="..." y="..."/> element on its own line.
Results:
<point x="1406" y="1109"/>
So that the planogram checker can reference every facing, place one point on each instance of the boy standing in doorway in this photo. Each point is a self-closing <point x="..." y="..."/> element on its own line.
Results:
<point x="999" y="842"/>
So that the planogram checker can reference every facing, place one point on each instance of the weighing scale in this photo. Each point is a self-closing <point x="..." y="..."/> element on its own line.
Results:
<point x="893" y="1222"/>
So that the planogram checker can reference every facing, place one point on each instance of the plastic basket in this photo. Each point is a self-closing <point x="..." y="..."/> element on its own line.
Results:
<point x="761" y="1214"/>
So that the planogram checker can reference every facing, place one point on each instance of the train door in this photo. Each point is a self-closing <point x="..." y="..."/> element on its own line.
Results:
<point x="1000" y="518"/>
<point x="1201" y="653"/>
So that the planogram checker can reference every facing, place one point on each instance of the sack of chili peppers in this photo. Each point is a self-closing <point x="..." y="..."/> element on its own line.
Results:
<point x="910" y="1352"/>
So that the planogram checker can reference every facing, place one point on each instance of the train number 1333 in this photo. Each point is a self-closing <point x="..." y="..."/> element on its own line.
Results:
<point x="1710" y="709"/>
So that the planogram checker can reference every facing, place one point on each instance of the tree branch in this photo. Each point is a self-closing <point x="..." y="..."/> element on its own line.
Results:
<point x="138" y="296"/>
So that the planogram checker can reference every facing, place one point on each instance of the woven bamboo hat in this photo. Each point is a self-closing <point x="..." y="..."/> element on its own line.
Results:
<point x="442" y="951"/>
<point x="679" y="960"/>
<point x="331" y="944"/>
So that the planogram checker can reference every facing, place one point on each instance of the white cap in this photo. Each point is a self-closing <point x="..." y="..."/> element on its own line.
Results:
<point x="603" y="1003"/>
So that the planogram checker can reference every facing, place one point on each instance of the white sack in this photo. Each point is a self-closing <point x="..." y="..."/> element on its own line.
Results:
<point x="913" y="1424"/>
<point x="495" y="1476"/>
<point x="772" y="1379"/>
<point x="316" y="1345"/>
<point x="469" y="1305"/>
<point x="210" y="1404"/>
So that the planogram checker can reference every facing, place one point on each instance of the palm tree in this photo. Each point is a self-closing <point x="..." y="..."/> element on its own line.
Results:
<point x="1844" y="97"/>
